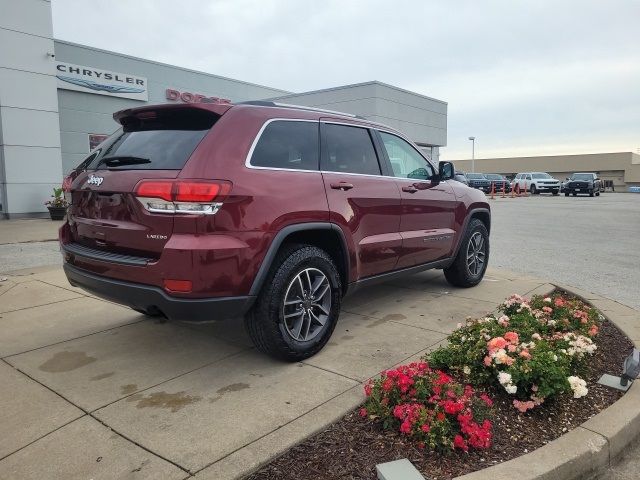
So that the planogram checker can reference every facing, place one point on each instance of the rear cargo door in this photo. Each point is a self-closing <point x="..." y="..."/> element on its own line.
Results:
<point x="105" y="213"/>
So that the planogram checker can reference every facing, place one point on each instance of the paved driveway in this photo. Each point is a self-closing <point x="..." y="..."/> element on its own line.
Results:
<point x="94" y="390"/>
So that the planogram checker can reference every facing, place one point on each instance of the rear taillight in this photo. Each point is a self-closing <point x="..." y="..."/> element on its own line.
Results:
<point x="182" y="196"/>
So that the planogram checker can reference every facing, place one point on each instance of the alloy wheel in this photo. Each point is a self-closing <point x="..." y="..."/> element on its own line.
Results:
<point x="307" y="304"/>
<point x="476" y="254"/>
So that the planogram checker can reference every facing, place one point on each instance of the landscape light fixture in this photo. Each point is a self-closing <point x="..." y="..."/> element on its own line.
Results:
<point x="473" y="153"/>
<point x="630" y="371"/>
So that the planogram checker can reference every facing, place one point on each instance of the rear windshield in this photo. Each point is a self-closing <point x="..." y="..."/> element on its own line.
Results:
<point x="163" y="142"/>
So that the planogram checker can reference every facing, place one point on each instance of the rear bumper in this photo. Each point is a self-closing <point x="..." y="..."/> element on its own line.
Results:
<point x="146" y="297"/>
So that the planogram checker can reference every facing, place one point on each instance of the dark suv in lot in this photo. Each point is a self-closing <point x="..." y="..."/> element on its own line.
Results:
<point x="479" y="181"/>
<point x="587" y="183"/>
<point x="209" y="211"/>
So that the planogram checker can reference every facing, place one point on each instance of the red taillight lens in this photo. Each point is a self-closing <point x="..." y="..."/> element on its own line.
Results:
<point x="197" y="191"/>
<point x="178" y="285"/>
<point x="66" y="183"/>
<point x="155" y="189"/>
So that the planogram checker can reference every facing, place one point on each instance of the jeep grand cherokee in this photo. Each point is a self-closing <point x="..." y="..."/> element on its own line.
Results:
<point x="271" y="212"/>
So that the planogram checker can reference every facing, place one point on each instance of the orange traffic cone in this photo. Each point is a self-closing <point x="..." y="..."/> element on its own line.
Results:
<point x="513" y="190"/>
<point x="493" y="190"/>
<point x="525" y="190"/>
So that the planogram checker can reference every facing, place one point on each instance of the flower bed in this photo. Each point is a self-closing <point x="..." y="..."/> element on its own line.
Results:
<point x="459" y="411"/>
<point x="535" y="350"/>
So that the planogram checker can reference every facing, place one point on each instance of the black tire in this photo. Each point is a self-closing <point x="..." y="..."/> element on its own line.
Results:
<point x="598" y="193"/>
<point x="566" y="194"/>
<point x="265" y="321"/>
<point x="533" y="189"/>
<point x="459" y="273"/>
<point x="555" y="193"/>
<point x="591" y="193"/>
<point x="574" y="194"/>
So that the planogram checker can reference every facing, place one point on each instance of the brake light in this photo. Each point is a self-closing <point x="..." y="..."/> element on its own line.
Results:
<point x="182" y="196"/>
<point x="200" y="192"/>
<point x="151" y="189"/>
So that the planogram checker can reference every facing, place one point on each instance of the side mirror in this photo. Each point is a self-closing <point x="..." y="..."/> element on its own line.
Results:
<point x="446" y="171"/>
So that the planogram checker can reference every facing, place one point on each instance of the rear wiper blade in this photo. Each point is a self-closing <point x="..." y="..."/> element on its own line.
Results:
<point x="121" y="160"/>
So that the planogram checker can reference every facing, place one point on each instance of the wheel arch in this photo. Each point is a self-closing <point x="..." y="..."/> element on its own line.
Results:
<point x="324" y="235"/>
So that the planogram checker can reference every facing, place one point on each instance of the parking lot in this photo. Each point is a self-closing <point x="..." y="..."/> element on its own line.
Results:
<point x="590" y="243"/>
<point x="94" y="390"/>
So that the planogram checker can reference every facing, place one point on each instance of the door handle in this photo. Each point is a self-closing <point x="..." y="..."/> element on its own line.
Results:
<point x="409" y="189"/>
<point x="342" y="186"/>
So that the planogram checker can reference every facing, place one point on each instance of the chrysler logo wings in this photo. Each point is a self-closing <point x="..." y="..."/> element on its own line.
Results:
<point x="100" y="86"/>
<point x="93" y="180"/>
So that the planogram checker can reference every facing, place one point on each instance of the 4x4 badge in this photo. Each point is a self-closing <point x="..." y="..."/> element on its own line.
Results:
<point x="93" y="180"/>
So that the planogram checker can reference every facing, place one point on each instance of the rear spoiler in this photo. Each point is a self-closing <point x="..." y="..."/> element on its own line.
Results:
<point x="147" y="111"/>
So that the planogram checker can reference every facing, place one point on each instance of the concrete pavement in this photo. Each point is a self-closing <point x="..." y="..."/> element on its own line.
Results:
<point x="95" y="390"/>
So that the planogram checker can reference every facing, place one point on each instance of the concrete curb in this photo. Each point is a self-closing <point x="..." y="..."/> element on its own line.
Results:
<point x="592" y="446"/>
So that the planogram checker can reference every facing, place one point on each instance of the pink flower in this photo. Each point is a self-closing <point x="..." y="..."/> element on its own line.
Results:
<point x="363" y="412"/>
<point x="546" y="309"/>
<point x="523" y="406"/>
<point x="559" y="302"/>
<point x="425" y="428"/>
<point x="512" y="348"/>
<point x="487" y="361"/>
<point x="496" y="344"/>
<point x="511" y="337"/>
<point x="593" y="331"/>
<point x="525" y="354"/>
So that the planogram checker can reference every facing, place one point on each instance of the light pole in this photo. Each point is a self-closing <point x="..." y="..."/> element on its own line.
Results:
<point x="473" y="154"/>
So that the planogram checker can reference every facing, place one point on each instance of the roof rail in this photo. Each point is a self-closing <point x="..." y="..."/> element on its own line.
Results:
<point x="267" y="103"/>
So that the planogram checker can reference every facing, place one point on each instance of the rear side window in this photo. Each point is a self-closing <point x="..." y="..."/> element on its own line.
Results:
<point x="349" y="150"/>
<point x="288" y="144"/>
<point x="163" y="140"/>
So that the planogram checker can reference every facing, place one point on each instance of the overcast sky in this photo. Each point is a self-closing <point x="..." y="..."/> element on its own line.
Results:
<point x="524" y="77"/>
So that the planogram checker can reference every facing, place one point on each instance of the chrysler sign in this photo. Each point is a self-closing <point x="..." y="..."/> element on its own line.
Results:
<point x="101" y="82"/>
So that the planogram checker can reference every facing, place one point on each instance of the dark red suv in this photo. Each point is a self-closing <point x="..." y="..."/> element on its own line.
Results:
<point x="275" y="212"/>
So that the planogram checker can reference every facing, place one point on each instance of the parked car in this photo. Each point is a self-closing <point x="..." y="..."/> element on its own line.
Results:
<point x="207" y="211"/>
<point x="498" y="182"/>
<point x="479" y="181"/>
<point x="536" y="182"/>
<point x="587" y="183"/>
<point x="461" y="177"/>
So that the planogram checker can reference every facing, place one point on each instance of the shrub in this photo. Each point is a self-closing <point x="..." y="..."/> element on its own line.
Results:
<point x="533" y="350"/>
<point x="430" y="407"/>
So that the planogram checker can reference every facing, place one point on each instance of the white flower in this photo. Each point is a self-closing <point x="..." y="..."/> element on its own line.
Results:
<point x="579" y="386"/>
<point x="536" y="336"/>
<point x="466" y="370"/>
<point x="511" y="389"/>
<point x="547" y="299"/>
<point x="504" y="378"/>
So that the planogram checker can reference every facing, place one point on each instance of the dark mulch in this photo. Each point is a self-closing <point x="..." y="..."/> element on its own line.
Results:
<point x="350" y="448"/>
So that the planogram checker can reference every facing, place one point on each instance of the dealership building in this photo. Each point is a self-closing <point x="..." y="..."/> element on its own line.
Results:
<point x="57" y="100"/>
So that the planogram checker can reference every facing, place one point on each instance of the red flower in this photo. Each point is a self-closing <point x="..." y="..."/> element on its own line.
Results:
<point x="363" y="412"/>
<point x="367" y="389"/>
<point x="458" y="442"/>
<point x="405" y="427"/>
<point x="425" y="428"/>
<point x="440" y="416"/>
